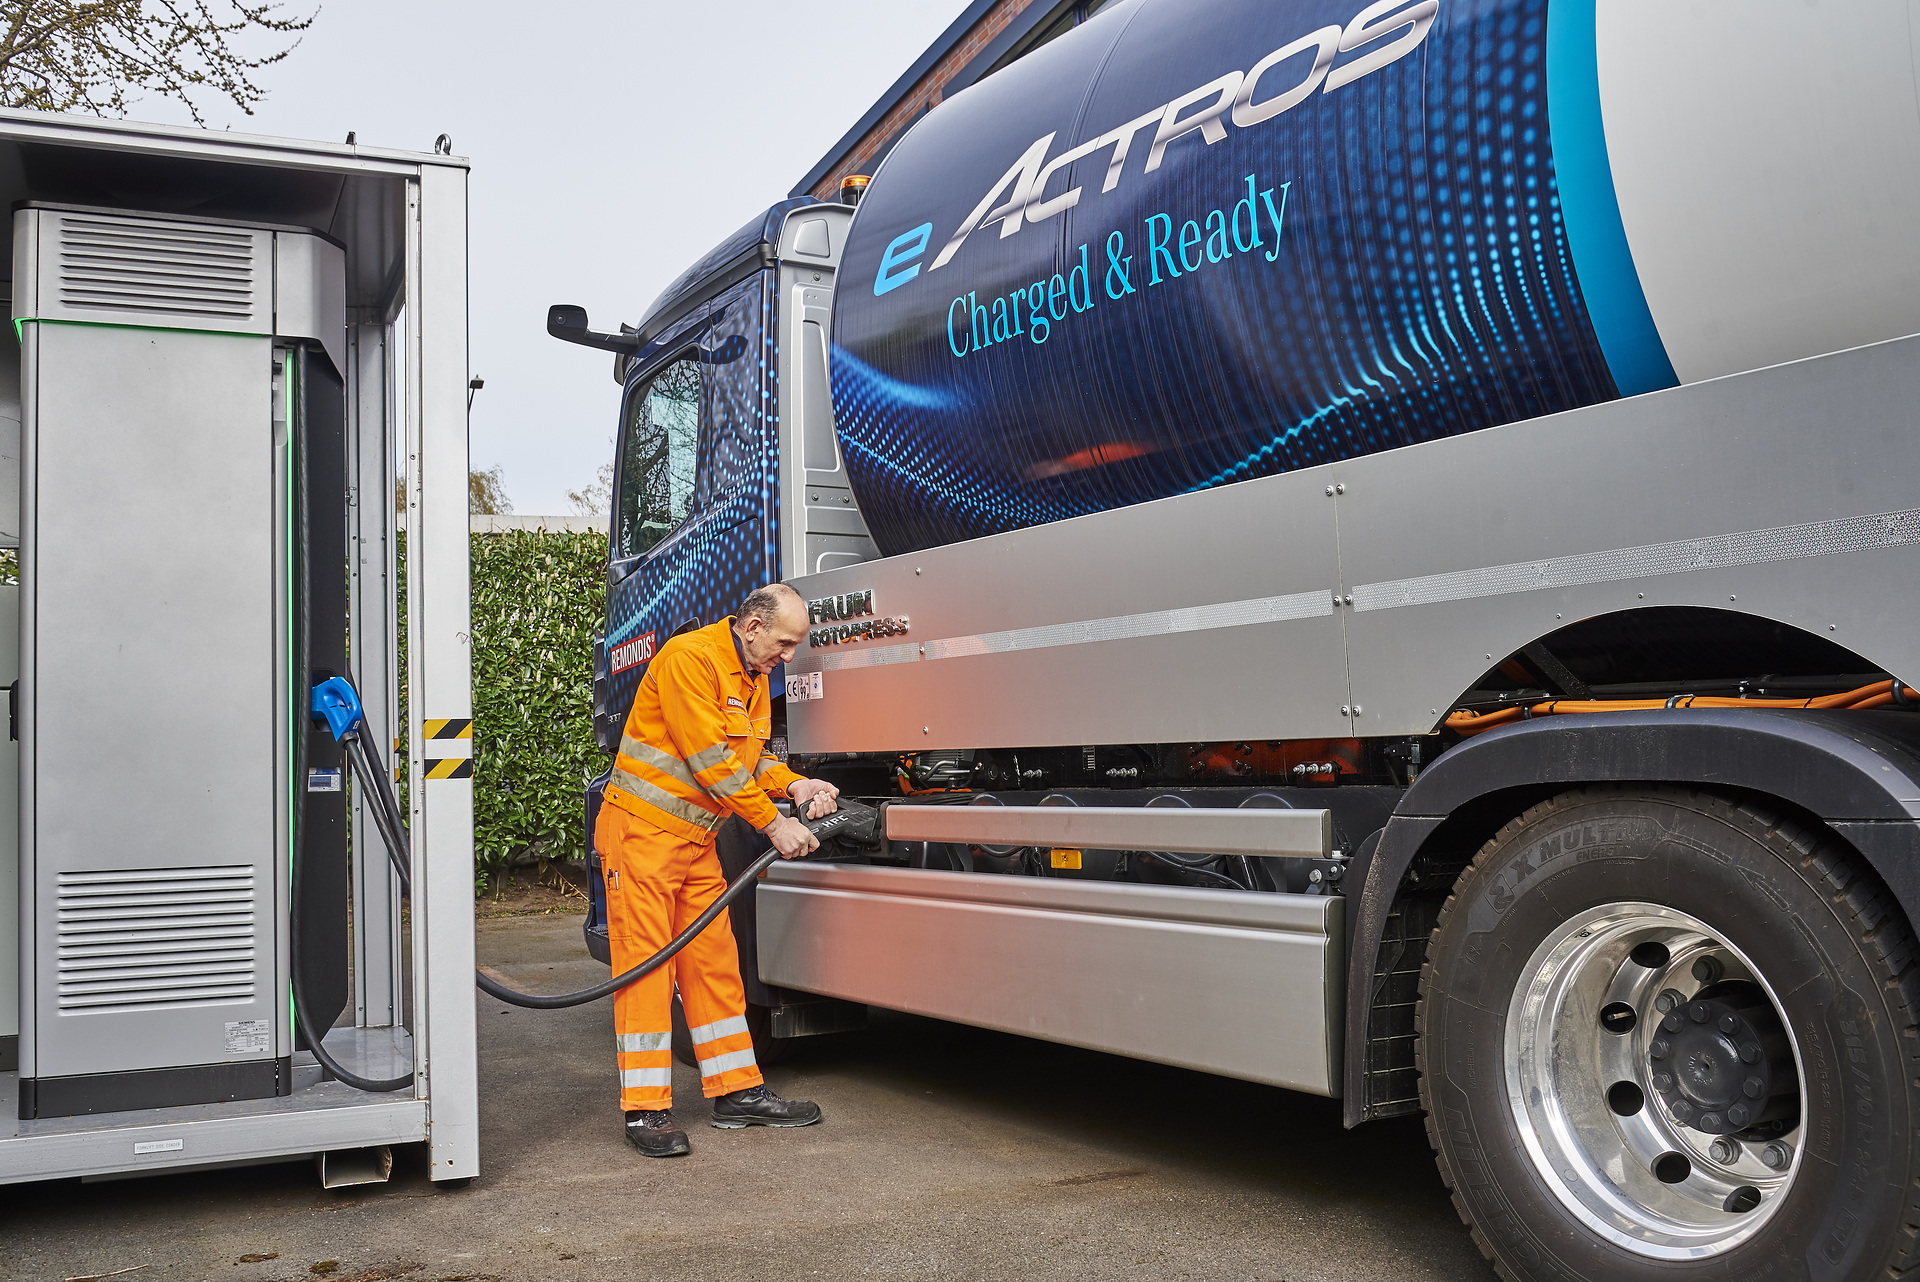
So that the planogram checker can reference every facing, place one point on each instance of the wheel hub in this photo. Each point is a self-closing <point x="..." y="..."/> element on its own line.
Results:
<point x="1709" y="1061"/>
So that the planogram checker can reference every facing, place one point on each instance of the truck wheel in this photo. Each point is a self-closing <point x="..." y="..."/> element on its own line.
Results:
<point x="1662" y="1034"/>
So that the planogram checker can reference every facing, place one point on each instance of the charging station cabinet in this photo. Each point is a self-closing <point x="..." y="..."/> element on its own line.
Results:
<point x="175" y="374"/>
<point x="228" y="356"/>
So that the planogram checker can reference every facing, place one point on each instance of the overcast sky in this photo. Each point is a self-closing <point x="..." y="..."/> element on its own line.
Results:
<point x="612" y="144"/>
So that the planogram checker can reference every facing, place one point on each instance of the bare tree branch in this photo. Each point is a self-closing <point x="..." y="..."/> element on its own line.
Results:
<point x="92" y="55"/>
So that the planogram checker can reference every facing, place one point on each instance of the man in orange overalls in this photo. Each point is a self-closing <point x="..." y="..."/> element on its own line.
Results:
<point x="693" y="754"/>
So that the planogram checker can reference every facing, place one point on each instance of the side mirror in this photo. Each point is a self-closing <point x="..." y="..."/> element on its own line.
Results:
<point x="569" y="324"/>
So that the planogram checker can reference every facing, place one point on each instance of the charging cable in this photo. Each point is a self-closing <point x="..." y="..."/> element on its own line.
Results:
<point x="337" y="703"/>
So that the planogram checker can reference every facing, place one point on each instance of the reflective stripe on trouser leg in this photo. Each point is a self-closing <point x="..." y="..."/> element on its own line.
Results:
<point x="723" y="1047"/>
<point x="646" y="1066"/>
<point x="708" y="975"/>
<point x="644" y="869"/>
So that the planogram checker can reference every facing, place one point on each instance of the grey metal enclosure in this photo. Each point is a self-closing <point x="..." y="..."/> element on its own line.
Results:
<point x="156" y="570"/>
<point x="227" y="355"/>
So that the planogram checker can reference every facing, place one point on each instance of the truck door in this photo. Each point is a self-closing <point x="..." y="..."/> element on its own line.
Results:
<point x="693" y="492"/>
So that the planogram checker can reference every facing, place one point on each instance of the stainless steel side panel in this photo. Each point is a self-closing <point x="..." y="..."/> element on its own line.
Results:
<point x="1297" y="833"/>
<point x="1102" y="629"/>
<point x="1792" y="493"/>
<point x="1364" y="597"/>
<point x="1248" y="986"/>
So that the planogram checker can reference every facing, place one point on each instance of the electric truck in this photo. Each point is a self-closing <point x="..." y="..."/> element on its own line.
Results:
<point x="1367" y="548"/>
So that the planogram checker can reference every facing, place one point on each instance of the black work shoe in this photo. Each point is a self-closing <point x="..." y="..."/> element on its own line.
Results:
<point x="655" y="1133"/>
<point x="758" y="1106"/>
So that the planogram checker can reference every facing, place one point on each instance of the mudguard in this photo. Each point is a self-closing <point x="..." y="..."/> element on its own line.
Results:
<point x="1858" y="772"/>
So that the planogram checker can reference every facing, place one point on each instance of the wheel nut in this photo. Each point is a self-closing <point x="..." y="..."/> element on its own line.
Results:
<point x="1776" y="1156"/>
<point x="1665" y="1002"/>
<point x="1725" y="1152"/>
<point x="1738" y="1115"/>
<point x="1657" y="1049"/>
<point x="1699" y="1012"/>
<point x="1750" y="1052"/>
<point x="1673" y="1023"/>
<point x="1663" y="1082"/>
<point x="1682" y="1112"/>
<point x="1709" y="1122"/>
<point x="1728" y="1024"/>
<point x="1706" y="969"/>
<point x="1753" y="1088"/>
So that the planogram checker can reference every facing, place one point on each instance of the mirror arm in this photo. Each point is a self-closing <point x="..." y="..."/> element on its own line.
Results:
<point x="569" y="324"/>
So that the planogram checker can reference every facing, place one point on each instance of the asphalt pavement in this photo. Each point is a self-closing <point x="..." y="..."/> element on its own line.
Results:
<point x="947" y="1153"/>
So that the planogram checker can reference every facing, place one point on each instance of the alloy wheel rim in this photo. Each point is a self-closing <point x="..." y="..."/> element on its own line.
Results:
<point x="1631" y="1074"/>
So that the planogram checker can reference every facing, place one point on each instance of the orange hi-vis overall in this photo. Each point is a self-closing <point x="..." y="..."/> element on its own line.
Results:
<point x="693" y="753"/>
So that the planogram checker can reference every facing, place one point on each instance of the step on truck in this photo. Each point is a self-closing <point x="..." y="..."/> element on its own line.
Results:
<point x="1368" y="549"/>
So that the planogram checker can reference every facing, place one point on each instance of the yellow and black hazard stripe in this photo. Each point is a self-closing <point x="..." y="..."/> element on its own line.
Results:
<point x="449" y="735"/>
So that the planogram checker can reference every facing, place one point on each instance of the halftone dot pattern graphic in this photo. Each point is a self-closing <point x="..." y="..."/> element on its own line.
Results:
<point x="727" y="545"/>
<point x="1413" y="278"/>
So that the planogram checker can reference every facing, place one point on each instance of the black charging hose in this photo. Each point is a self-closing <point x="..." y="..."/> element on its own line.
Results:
<point x="386" y="814"/>
<point x="375" y="1085"/>
<point x="383" y="807"/>
<point x="385" y="811"/>
<point x="297" y="928"/>
<point x="606" y="987"/>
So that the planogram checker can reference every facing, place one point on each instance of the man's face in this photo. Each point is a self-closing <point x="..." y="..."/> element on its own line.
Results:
<point x="768" y="645"/>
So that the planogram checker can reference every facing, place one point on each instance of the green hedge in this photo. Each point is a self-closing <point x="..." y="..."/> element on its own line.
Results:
<point x="537" y="599"/>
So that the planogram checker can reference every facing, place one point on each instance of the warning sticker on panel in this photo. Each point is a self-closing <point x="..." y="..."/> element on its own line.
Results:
<point x="249" y="1037"/>
<point x="802" y="686"/>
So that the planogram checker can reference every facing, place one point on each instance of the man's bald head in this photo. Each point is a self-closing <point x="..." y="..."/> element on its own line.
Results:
<point x="772" y="622"/>
<point x="766" y="604"/>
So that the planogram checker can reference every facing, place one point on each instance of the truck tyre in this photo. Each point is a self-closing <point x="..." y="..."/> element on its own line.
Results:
<point x="1663" y="1034"/>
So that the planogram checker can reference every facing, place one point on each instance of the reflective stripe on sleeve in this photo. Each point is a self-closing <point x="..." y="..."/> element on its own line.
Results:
<point x="628" y="1042"/>
<point x="654" y="795"/>
<point x="646" y="1077"/>
<point x="665" y="762"/>
<point x="732" y="783"/>
<point x="726" y="1063"/>
<point x="708" y="758"/>
<point x="718" y="1028"/>
<point x="765" y="764"/>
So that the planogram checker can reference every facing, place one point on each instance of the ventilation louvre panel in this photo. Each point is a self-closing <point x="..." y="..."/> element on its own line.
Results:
<point x="154" y="938"/>
<point x="176" y="274"/>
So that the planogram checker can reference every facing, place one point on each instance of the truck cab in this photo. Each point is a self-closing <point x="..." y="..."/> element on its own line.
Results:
<point x="727" y="475"/>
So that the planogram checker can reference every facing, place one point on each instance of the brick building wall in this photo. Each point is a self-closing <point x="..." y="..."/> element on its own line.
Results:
<point x="923" y="97"/>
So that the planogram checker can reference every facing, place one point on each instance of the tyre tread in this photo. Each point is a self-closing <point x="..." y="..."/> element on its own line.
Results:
<point x="1878" y="920"/>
